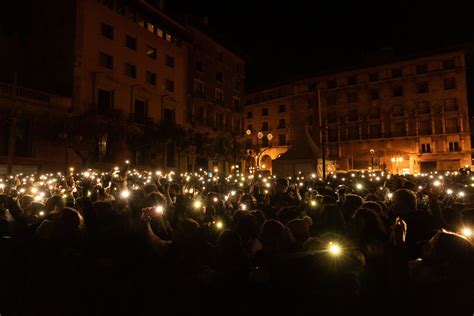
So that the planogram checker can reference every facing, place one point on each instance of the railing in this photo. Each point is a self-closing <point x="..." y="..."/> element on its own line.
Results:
<point x="24" y="93"/>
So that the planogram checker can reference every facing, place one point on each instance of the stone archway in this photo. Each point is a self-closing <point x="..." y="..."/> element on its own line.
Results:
<point x="266" y="163"/>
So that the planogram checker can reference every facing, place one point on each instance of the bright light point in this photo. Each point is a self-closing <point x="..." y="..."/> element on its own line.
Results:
<point x="313" y="203"/>
<point x="124" y="194"/>
<point x="436" y="183"/>
<point x="420" y="187"/>
<point x="197" y="204"/>
<point x="215" y="200"/>
<point x="232" y="193"/>
<point x="467" y="232"/>
<point x="301" y="184"/>
<point x="449" y="191"/>
<point x="243" y="207"/>
<point x="334" y="249"/>
<point x="359" y="186"/>
<point x="461" y="194"/>
<point x="267" y="185"/>
<point x="127" y="161"/>
<point x="389" y="195"/>
<point x="22" y="190"/>
<point x="219" y="225"/>
<point x="34" y="190"/>
<point x="37" y="198"/>
<point x="41" y="213"/>
<point x="159" y="209"/>
<point x="241" y="184"/>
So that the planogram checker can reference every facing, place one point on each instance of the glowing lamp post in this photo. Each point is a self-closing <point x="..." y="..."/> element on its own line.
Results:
<point x="397" y="160"/>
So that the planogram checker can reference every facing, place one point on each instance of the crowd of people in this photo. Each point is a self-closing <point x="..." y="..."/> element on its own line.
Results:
<point x="132" y="242"/>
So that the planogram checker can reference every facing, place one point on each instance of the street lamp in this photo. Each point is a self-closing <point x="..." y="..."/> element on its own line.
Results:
<point x="260" y="135"/>
<point x="372" y="154"/>
<point x="397" y="159"/>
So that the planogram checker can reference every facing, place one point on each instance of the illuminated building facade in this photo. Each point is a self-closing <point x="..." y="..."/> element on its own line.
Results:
<point x="409" y="115"/>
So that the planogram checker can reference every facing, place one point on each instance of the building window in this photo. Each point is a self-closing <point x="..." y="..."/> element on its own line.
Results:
<point x="374" y="94"/>
<point x="219" y="96"/>
<point x="169" y="116"/>
<point x="130" y="70"/>
<point x="423" y="88"/>
<point x="170" y="61"/>
<point x="169" y="85"/>
<point x="159" y="32"/>
<point x="352" y="97"/>
<point x="106" y="61"/>
<point x="140" y="113"/>
<point x="265" y="126"/>
<point x="120" y="7"/>
<point x="397" y="91"/>
<point x="452" y="125"/>
<point x="281" y="108"/>
<point x="425" y="148"/>
<point x="449" y="83"/>
<point x="353" y="132"/>
<point x="331" y="99"/>
<point x="281" y="140"/>
<point x="264" y="111"/>
<point x="105" y="101"/>
<point x="219" y="76"/>
<point x="448" y="64"/>
<point x="281" y="123"/>
<point x="131" y="42"/>
<point x="107" y="31"/>
<point x="425" y="127"/>
<point x="423" y="108"/>
<point x="151" y="52"/>
<point x="396" y="72"/>
<point x="351" y="81"/>
<point x="454" y="146"/>
<point x="375" y="131"/>
<point x="332" y="84"/>
<point x="236" y="103"/>
<point x="450" y="104"/>
<point x="198" y="87"/>
<point x="237" y="84"/>
<point x="199" y="66"/>
<point x="374" y="76"/>
<point x="399" y="129"/>
<point x="421" y="69"/>
<point x="151" y="78"/>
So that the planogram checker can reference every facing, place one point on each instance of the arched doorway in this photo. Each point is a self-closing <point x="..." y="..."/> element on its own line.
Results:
<point x="266" y="163"/>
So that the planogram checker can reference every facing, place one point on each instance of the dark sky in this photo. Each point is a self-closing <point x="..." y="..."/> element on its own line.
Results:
<point x="281" y="39"/>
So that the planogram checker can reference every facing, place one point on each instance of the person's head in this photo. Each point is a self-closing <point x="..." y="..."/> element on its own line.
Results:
<point x="155" y="198"/>
<point x="352" y="202"/>
<point x="229" y="244"/>
<point x="54" y="204"/>
<point x="275" y="237"/>
<point x="25" y="200"/>
<point x="374" y="206"/>
<point x="445" y="247"/>
<point x="150" y="187"/>
<point x="246" y="226"/>
<point x="367" y="226"/>
<point x="287" y="214"/>
<point x="403" y="202"/>
<point x="186" y="229"/>
<point x="299" y="229"/>
<point x="331" y="219"/>
<point x="281" y="185"/>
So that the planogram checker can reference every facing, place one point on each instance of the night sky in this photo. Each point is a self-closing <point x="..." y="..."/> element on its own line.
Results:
<point x="283" y="39"/>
